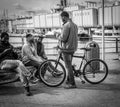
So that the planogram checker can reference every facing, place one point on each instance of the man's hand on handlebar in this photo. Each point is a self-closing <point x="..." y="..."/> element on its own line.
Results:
<point x="57" y="34"/>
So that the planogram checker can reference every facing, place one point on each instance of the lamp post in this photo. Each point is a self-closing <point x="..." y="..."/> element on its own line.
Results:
<point x="103" y="39"/>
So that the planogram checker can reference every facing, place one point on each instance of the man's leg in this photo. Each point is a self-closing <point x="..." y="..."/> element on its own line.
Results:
<point x="13" y="64"/>
<point x="25" y="71"/>
<point x="8" y="64"/>
<point x="33" y="63"/>
<point x="36" y="65"/>
<point x="68" y="64"/>
<point x="24" y="81"/>
<point x="20" y="68"/>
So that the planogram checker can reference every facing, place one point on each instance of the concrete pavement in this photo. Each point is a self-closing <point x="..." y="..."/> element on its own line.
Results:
<point x="106" y="94"/>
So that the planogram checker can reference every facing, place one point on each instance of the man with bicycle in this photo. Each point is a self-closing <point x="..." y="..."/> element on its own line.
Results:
<point x="68" y="41"/>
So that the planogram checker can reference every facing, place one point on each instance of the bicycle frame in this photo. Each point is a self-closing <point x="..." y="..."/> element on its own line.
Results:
<point x="74" y="56"/>
<point x="81" y="57"/>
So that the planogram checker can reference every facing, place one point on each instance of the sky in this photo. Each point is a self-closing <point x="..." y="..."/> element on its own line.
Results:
<point x="17" y="6"/>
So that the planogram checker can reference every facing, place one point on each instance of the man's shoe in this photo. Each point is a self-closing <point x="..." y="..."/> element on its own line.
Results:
<point x="70" y="86"/>
<point x="67" y="82"/>
<point x="56" y="72"/>
<point x="34" y="80"/>
<point x="27" y="91"/>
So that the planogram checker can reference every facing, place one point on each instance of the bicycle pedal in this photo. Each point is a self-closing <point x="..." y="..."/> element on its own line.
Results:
<point x="76" y="75"/>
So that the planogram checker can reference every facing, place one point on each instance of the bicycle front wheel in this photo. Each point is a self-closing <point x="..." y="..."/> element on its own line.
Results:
<point x="95" y="71"/>
<point x="52" y="73"/>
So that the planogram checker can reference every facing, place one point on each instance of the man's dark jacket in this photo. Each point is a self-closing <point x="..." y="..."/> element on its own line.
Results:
<point x="8" y="54"/>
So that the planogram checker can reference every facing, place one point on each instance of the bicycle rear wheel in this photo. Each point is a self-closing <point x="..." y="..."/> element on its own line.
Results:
<point x="52" y="73"/>
<point x="95" y="71"/>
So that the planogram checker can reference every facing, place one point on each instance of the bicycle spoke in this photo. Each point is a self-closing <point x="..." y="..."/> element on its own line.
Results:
<point x="51" y="74"/>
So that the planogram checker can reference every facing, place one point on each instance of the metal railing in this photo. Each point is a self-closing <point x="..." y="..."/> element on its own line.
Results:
<point x="112" y="43"/>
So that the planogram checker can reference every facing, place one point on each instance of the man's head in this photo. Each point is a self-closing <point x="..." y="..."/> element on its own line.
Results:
<point x="64" y="16"/>
<point x="30" y="38"/>
<point x="40" y="38"/>
<point x="5" y="37"/>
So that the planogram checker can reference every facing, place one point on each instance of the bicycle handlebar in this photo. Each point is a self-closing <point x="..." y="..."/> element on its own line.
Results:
<point x="63" y="50"/>
<point x="85" y="49"/>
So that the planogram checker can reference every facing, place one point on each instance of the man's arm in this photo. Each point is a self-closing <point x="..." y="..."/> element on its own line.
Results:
<point x="43" y="52"/>
<point x="13" y="52"/>
<point x="65" y="33"/>
<point x="5" y="52"/>
<point x="29" y="54"/>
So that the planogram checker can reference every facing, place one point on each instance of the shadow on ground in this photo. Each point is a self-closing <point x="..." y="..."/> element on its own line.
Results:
<point x="42" y="88"/>
<point x="57" y="90"/>
<point x="102" y="86"/>
<point x="10" y="89"/>
<point x="16" y="88"/>
<point x="114" y="71"/>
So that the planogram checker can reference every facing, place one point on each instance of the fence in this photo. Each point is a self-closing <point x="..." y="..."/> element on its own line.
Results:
<point x="112" y="44"/>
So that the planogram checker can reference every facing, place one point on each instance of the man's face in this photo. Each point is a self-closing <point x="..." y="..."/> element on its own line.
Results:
<point x="40" y="39"/>
<point x="30" y="39"/>
<point x="64" y="20"/>
<point x="5" y="39"/>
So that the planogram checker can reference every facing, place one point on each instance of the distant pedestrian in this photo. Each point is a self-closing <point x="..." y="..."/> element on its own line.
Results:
<point x="68" y="41"/>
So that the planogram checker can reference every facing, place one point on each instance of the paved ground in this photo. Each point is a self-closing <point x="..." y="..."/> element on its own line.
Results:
<point x="106" y="94"/>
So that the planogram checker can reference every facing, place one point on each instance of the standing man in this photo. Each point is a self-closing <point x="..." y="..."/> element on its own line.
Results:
<point x="68" y="41"/>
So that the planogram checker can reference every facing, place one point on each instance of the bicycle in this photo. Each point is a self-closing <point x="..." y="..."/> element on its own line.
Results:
<point x="93" y="71"/>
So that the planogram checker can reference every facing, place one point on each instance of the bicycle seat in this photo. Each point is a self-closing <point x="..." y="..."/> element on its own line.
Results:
<point x="85" y="49"/>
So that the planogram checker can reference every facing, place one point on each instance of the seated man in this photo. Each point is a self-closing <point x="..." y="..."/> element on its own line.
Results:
<point x="41" y="53"/>
<point x="40" y="48"/>
<point x="29" y="53"/>
<point x="33" y="53"/>
<point x="8" y="60"/>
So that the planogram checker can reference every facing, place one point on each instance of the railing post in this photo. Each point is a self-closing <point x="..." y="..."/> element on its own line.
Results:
<point x="22" y="40"/>
<point x="116" y="45"/>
